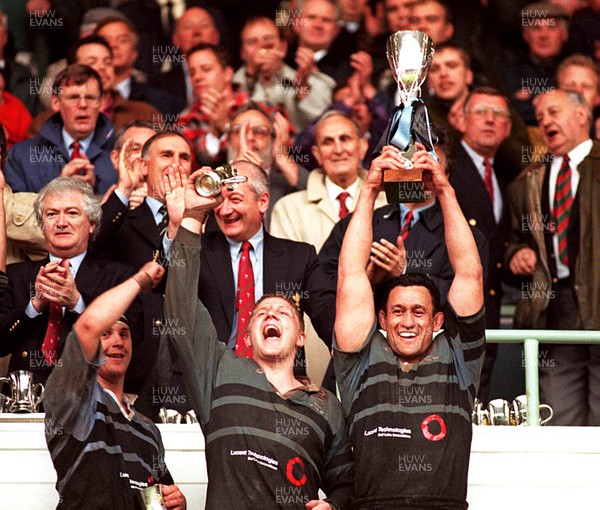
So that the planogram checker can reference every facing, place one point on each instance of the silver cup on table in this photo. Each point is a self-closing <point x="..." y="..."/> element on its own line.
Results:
<point x="500" y="412"/>
<point x="519" y="405"/>
<point x="25" y="396"/>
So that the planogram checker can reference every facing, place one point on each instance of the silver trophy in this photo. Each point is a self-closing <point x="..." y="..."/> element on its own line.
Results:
<point x="209" y="183"/>
<point x="519" y="407"/>
<point x="25" y="396"/>
<point x="409" y="54"/>
<point x="152" y="498"/>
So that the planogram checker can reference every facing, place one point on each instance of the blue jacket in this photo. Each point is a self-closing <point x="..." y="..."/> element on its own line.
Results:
<point x="34" y="163"/>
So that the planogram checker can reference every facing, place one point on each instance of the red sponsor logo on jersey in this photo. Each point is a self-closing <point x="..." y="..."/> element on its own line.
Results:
<point x="427" y="433"/>
<point x="295" y="471"/>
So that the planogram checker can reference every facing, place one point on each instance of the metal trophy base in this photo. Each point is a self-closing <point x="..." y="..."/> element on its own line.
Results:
<point x="404" y="186"/>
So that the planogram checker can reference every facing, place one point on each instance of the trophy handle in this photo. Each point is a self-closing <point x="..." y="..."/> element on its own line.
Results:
<point x="40" y="397"/>
<point x="4" y="380"/>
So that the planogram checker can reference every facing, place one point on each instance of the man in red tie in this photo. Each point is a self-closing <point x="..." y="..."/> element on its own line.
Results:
<point x="480" y="183"/>
<point x="554" y="241"/>
<point x="74" y="142"/>
<point x="405" y="237"/>
<point x="331" y="190"/>
<point x="45" y="297"/>
<point x="228" y="285"/>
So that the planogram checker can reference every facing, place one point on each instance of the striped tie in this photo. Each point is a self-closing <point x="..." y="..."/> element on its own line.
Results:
<point x="245" y="300"/>
<point x="563" y="201"/>
<point x="406" y="225"/>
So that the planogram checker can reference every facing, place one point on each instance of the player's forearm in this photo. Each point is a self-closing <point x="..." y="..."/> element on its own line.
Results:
<point x="460" y="243"/>
<point x="104" y="311"/>
<point x="356" y="246"/>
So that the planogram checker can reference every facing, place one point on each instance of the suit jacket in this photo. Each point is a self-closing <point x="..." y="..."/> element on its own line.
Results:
<point x="530" y="212"/>
<point x="309" y="215"/>
<point x="425" y="245"/>
<point x="290" y="268"/>
<point x="22" y="336"/>
<point x="474" y="200"/>
<point x="34" y="163"/>
<point x="127" y="236"/>
<point x="174" y="81"/>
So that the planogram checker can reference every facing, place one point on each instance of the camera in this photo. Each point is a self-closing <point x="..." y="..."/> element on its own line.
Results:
<point x="209" y="183"/>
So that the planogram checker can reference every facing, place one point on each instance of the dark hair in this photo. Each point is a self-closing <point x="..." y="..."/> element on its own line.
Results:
<point x="75" y="74"/>
<point x="117" y="19"/>
<point x="220" y="53"/>
<point x="464" y="54"/>
<point x="255" y="20"/>
<point x="487" y="91"/>
<point x="410" y="280"/>
<point x="158" y="136"/>
<point x="120" y="136"/>
<point x="90" y="39"/>
<point x="442" y="4"/>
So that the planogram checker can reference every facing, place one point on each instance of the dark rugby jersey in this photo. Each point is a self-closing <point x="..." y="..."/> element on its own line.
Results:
<point x="263" y="450"/>
<point x="101" y="457"/>
<point x="411" y="431"/>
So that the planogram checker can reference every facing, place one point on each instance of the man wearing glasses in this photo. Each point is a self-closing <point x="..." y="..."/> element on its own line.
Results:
<point x="480" y="183"/>
<point x="74" y="142"/>
<point x="262" y="138"/>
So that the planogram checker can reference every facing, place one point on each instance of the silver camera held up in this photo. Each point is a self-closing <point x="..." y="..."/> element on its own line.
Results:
<point x="209" y="184"/>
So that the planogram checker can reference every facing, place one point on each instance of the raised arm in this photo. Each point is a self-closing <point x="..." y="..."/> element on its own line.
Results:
<point x="106" y="309"/>
<point x="466" y="291"/>
<point x="355" y="307"/>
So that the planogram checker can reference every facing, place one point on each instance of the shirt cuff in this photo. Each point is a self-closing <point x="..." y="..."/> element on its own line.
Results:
<point x="79" y="308"/>
<point x="166" y="244"/>
<point x="31" y="312"/>
<point x="122" y="198"/>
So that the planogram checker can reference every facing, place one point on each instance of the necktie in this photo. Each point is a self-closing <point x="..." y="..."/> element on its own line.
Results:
<point x="563" y="200"/>
<point x="50" y="344"/>
<point x="405" y="229"/>
<point x="164" y="222"/>
<point x="343" y="207"/>
<point x="75" y="153"/>
<point x="244" y="300"/>
<point x="487" y="178"/>
<point x="167" y="18"/>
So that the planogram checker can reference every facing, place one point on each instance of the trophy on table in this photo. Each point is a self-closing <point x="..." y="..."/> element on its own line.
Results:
<point x="409" y="54"/>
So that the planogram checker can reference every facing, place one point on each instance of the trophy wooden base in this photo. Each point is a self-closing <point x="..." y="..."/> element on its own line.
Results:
<point x="404" y="186"/>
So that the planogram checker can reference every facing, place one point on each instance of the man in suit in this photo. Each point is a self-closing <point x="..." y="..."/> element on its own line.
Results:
<point x="553" y="243"/>
<point x="481" y="193"/>
<point x="46" y="297"/>
<point x="136" y="236"/>
<point x="129" y="82"/>
<point x="317" y="29"/>
<point x="195" y="26"/>
<point x="407" y="235"/>
<point x="75" y="141"/>
<point x="263" y="138"/>
<point x="279" y="266"/>
<point x="332" y="189"/>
